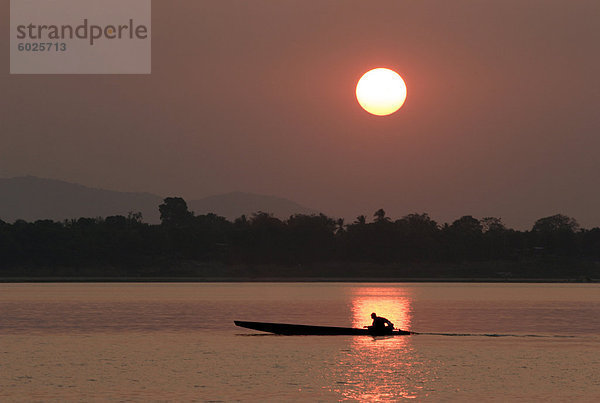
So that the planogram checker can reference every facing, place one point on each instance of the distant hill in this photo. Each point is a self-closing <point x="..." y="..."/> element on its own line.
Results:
<point x="31" y="198"/>
<point x="233" y="205"/>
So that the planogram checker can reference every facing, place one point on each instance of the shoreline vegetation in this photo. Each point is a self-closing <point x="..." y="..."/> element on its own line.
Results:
<point x="49" y="280"/>
<point x="302" y="248"/>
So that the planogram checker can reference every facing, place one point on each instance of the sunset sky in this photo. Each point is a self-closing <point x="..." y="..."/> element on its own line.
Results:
<point x="502" y="115"/>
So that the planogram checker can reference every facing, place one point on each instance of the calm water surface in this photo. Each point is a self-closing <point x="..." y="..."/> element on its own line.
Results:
<point x="74" y="342"/>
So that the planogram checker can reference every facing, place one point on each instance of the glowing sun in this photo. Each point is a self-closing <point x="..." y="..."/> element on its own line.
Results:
<point x="381" y="91"/>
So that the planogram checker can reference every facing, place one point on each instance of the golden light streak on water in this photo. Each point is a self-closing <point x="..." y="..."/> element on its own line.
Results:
<point x="390" y="302"/>
<point x="380" y="368"/>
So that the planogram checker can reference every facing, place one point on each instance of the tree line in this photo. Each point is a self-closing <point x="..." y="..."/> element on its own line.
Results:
<point x="414" y="245"/>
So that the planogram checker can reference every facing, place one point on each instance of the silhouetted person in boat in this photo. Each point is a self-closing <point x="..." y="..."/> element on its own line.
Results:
<point x="381" y="324"/>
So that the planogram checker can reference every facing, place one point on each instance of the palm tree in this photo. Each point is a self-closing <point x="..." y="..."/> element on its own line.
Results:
<point x="361" y="220"/>
<point x="380" y="216"/>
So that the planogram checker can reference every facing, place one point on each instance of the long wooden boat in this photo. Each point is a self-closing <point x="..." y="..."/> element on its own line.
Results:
<point x="289" y="329"/>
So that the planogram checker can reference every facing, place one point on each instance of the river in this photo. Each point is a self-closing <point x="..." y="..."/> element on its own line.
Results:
<point x="177" y="341"/>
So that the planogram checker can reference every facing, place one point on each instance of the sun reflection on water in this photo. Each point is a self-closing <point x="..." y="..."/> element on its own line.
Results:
<point x="380" y="368"/>
<point x="392" y="303"/>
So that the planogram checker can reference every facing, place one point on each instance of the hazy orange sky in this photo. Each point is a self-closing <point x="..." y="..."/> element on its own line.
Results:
<point x="502" y="116"/>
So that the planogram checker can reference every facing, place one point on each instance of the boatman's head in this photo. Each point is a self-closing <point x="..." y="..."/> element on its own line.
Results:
<point x="373" y="315"/>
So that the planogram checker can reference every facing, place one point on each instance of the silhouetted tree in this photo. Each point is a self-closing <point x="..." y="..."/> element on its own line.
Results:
<point x="380" y="216"/>
<point x="556" y="235"/>
<point x="174" y="212"/>
<point x="135" y="217"/>
<point x="492" y="224"/>
<point x="464" y="239"/>
<point x="497" y="239"/>
<point x="356" y="241"/>
<point x="211" y="237"/>
<point x="556" y="223"/>
<point x="361" y="220"/>
<point x="266" y="242"/>
<point x="242" y="220"/>
<point x="591" y="244"/>
<point x="310" y="237"/>
<point x="467" y="226"/>
<point x="420" y="236"/>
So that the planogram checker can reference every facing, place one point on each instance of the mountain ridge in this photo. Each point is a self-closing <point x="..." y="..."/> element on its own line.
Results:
<point x="31" y="198"/>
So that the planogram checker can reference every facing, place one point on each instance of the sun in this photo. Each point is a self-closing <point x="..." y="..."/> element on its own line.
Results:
<point x="381" y="91"/>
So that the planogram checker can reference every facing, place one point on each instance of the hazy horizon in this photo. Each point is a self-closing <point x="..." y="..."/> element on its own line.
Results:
<point x="501" y="117"/>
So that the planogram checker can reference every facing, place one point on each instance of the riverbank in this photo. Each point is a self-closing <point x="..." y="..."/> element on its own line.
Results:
<point x="289" y="280"/>
<point x="192" y="271"/>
